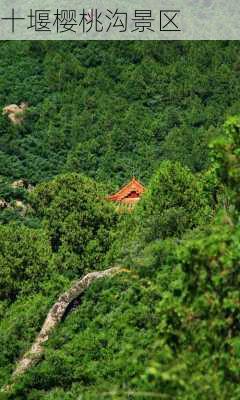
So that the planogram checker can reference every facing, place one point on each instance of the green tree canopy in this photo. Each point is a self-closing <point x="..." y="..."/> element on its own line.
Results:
<point x="24" y="258"/>
<point x="174" y="202"/>
<point x="78" y="219"/>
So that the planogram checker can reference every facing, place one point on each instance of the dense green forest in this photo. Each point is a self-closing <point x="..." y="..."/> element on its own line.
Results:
<point x="167" y="326"/>
<point x="114" y="109"/>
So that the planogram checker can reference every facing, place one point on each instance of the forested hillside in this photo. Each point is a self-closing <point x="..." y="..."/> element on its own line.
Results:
<point x="110" y="109"/>
<point x="167" y="324"/>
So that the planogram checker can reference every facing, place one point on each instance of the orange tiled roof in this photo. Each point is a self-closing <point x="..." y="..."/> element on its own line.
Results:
<point x="129" y="193"/>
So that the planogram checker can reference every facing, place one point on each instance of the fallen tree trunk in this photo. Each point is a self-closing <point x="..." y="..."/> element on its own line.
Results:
<point x="54" y="317"/>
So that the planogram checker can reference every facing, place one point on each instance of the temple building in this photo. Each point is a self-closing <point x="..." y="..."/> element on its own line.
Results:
<point x="129" y="194"/>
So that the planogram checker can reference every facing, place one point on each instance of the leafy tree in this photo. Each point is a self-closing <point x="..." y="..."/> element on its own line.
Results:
<point x="78" y="219"/>
<point x="226" y="155"/>
<point x="24" y="257"/>
<point x="174" y="202"/>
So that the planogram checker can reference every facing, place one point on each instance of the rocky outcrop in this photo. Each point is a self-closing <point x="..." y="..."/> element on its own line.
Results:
<point x="15" y="113"/>
<point x="3" y="204"/>
<point x="16" y="205"/>
<point x="23" y="208"/>
<point x="20" y="184"/>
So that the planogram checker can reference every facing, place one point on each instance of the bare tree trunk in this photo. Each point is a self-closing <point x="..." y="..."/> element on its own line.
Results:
<point x="54" y="317"/>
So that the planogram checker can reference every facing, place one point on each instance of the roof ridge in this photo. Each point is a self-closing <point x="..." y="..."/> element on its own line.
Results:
<point x="134" y="184"/>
